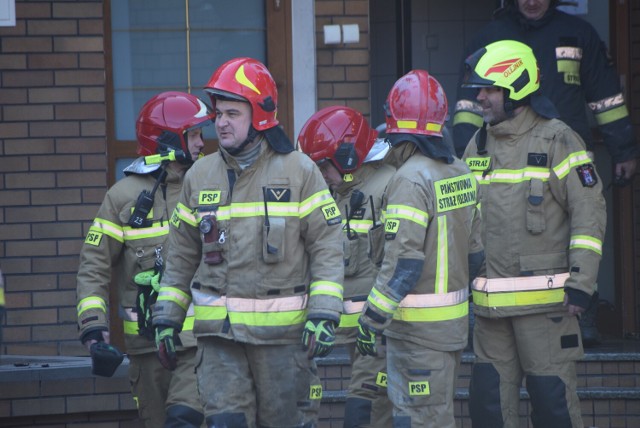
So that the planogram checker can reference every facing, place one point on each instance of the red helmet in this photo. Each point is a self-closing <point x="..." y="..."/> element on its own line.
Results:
<point x="248" y="80"/>
<point x="416" y="104"/>
<point x="340" y="134"/>
<point x="166" y="118"/>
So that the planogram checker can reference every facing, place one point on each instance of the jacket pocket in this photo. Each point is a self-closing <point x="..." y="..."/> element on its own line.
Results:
<point x="351" y="255"/>
<point x="540" y="264"/>
<point x="376" y="244"/>
<point x="273" y="239"/>
<point x="535" y="208"/>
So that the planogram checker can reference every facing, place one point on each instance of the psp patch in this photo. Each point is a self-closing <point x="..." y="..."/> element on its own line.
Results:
<point x="391" y="227"/>
<point x="175" y="219"/>
<point x="93" y="238"/>
<point x="331" y="214"/>
<point x="587" y="175"/>
<point x="315" y="392"/>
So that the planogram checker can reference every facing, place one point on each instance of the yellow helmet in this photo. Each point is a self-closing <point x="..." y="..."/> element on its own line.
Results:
<point x="507" y="64"/>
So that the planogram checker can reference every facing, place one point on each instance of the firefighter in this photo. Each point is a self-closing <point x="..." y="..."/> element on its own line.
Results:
<point x="256" y="245"/>
<point x="575" y="70"/>
<point x="339" y="140"/>
<point x="126" y="245"/>
<point x="543" y="224"/>
<point x="420" y="297"/>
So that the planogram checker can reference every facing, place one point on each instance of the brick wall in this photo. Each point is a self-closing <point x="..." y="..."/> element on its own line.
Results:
<point x="343" y="69"/>
<point x="52" y="166"/>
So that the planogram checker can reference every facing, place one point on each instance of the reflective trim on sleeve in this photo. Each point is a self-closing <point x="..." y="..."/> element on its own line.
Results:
<point x="327" y="288"/>
<point x="612" y="115"/>
<point x="179" y="297"/>
<point x="108" y="228"/>
<point x="586" y="242"/>
<point x="349" y="320"/>
<point x="382" y="302"/>
<point x="314" y="201"/>
<point x="130" y="327"/>
<point x="573" y="160"/>
<point x="409" y="213"/>
<point x="185" y="214"/>
<point x="187" y="325"/>
<point x="158" y="228"/>
<point x="91" y="302"/>
<point x="609" y="109"/>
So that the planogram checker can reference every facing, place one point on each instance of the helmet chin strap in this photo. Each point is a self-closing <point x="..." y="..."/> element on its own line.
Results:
<point x="251" y="135"/>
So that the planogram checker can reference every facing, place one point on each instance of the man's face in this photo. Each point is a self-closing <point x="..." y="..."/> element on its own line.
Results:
<point x="491" y="100"/>
<point x="330" y="173"/>
<point x="233" y="119"/>
<point x="195" y="143"/>
<point x="533" y="9"/>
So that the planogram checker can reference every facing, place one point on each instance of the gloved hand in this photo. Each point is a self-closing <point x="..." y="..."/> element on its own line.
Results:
<point x="165" y="343"/>
<point x="149" y="277"/>
<point x="318" y="337"/>
<point x="366" y="341"/>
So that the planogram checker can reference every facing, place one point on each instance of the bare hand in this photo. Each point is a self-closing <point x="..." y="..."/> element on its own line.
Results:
<point x="105" y="337"/>
<point x="572" y="309"/>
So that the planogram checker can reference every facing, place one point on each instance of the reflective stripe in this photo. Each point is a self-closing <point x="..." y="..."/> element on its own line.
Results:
<point x="158" y="228"/>
<point x="108" y="228"/>
<point x="280" y="304"/>
<point x="435" y="300"/>
<point x="408" y="213"/>
<point x="512" y="175"/>
<point x="467" y="117"/>
<point x="129" y="314"/>
<point x="612" y="115"/>
<point x="525" y="298"/>
<point x="92" y="302"/>
<point x="412" y="124"/>
<point x="382" y="302"/>
<point x="174" y="295"/>
<point x="358" y="226"/>
<point x="327" y="288"/>
<point x="442" y="257"/>
<point x="609" y="109"/>
<point x="185" y="214"/>
<point x="520" y="283"/>
<point x="586" y="242"/>
<point x="313" y="202"/>
<point x="269" y="319"/>
<point x="573" y="160"/>
<point x="349" y="320"/>
<point x="569" y="52"/>
<point x="130" y="327"/>
<point x="351" y="307"/>
<point x="187" y="325"/>
<point x="432" y="314"/>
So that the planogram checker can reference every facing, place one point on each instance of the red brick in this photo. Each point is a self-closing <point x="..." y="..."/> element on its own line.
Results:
<point x="330" y="8"/>
<point x="358" y="73"/>
<point x="56" y="264"/>
<point x="360" y="7"/>
<point x="52" y="388"/>
<point x="29" y="180"/>
<point x="80" y="78"/>
<point x="67" y="282"/>
<point x="29" y="214"/>
<point x="81" y="212"/>
<point x="13" y="61"/>
<point x="81" y="145"/>
<point x="351" y="90"/>
<point x="80" y="111"/>
<point x="331" y="74"/>
<point x="53" y="61"/>
<point x="32" y="349"/>
<point x="33" y="10"/>
<point x="22" y="389"/>
<point x="14" y="231"/>
<point x="55" y="163"/>
<point x="93" y="128"/>
<point x="28" y="112"/>
<point x="30" y="146"/>
<point x="78" y="44"/>
<point x="26" y="44"/>
<point x="91" y="60"/>
<point x="77" y="9"/>
<point x="18" y="300"/>
<point x="14" y="265"/>
<point x="351" y="57"/>
<point x="55" y="197"/>
<point x="91" y="26"/>
<point x="94" y="162"/>
<point x="92" y="95"/>
<point x="25" y="282"/>
<point x="31" y="248"/>
<point x="13" y="96"/>
<point x="68" y="247"/>
<point x="93" y="195"/>
<point x="53" y="95"/>
<point x="27" y="78"/>
<point x="40" y="27"/>
<point x="56" y="230"/>
<point x="54" y="129"/>
<point x="60" y="332"/>
<point x="15" y="334"/>
<point x="20" y="29"/>
<point x="81" y="179"/>
<point x="32" y="316"/>
<point x="13" y="164"/>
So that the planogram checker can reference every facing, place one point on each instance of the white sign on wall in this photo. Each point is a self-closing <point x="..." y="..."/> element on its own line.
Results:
<point x="7" y="13"/>
<point x="576" y="7"/>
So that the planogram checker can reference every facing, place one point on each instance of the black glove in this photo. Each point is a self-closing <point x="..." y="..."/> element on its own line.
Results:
<point x="366" y="340"/>
<point x="166" y="345"/>
<point x="318" y="337"/>
<point x="105" y="359"/>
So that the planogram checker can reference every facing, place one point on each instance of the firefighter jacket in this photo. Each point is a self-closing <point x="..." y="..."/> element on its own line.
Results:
<point x="543" y="217"/>
<point x="362" y="235"/>
<point x="258" y="250"/>
<point x="431" y="227"/>
<point x="574" y="70"/>
<point x="114" y="252"/>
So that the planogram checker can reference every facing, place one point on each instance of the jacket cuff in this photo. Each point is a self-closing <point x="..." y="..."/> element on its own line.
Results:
<point x="373" y="320"/>
<point x="578" y="297"/>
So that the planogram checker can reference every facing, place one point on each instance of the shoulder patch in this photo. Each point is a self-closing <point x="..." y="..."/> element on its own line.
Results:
<point x="537" y="159"/>
<point x="587" y="175"/>
<point x="331" y="214"/>
<point x="209" y="197"/>
<point x="391" y="227"/>
<point x="93" y="238"/>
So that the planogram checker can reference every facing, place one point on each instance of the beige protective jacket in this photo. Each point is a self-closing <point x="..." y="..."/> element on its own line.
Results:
<point x="543" y="217"/>
<point x="113" y="252"/>
<point x="276" y="258"/>
<point x="432" y="225"/>
<point x="363" y="229"/>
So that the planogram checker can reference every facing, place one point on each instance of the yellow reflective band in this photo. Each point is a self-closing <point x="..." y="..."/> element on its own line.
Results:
<point x="92" y="302"/>
<point x="108" y="228"/>
<point x="442" y="255"/>
<point x="2" y="301"/>
<point x="187" y="325"/>
<point x="268" y="319"/>
<point x="209" y="197"/>
<point x="179" y="297"/>
<point x="358" y="226"/>
<point x="93" y="238"/>
<point x="607" y="104"/>
<point x="327" y="288"/>
<point x="586" y="242"/>
<point x="314" y="201"/>
<point x="513" y="175"/>
<point x="573" y="160"/>
<point x="419" y="388"/>
<point x="185" y="214"/>
<point x="478" y="164"/>
<point x="520" y="283"/>
<point x="158" y="228"/>
<point x="434" y="314"/>
<point x="243" y="80"/>
<point x="381" y="379"/>
<point x="456" y="192"/>
<point x="570" y="70"/>
<point x="349" y="320"/>
<point x="408" y="213"/>
<point x="407" y="124"/>
<point x="467" y="117"/>
<point x="435" y="127"/>
<point x="130" y="327"/>
<point x="382" y="302"/>
<point x="522" y="298"/>
<point x="210" y="313"/>
<point x="315" y="392"/>
<point x="612" y="115"/>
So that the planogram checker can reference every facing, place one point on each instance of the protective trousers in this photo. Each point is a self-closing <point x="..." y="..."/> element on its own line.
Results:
<point x="421" y="384"/>
<point x="368" y="405"/>
<point x="164" y="398"/>
<point x="541" y="348"/>
<point x="250" y="386"/>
